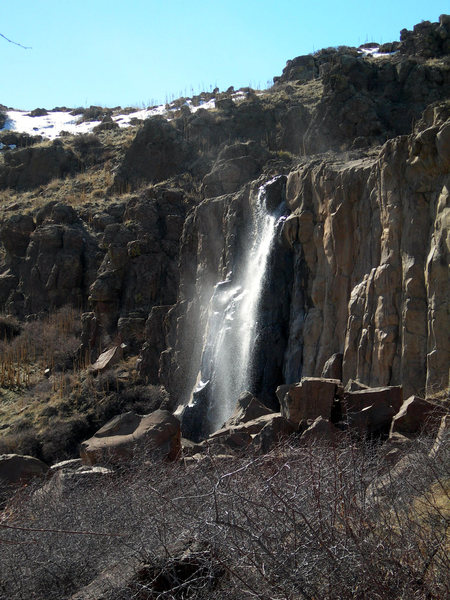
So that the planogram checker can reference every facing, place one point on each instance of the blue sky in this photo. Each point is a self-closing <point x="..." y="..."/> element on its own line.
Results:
<point x="136" y="52"/>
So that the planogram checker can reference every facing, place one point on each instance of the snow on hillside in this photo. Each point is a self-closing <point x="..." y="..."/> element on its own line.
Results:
<point x="55" y="122"/>
<point x="52" y="124"/>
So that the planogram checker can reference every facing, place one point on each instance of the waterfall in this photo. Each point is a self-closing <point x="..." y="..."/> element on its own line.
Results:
<point x="232" y="326"/>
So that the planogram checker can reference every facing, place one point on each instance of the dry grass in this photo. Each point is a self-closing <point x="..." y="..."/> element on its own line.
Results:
<point x="41" y="344"/>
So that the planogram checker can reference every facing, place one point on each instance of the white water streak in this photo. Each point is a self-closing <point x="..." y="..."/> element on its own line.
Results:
<point x="233" y="321"/>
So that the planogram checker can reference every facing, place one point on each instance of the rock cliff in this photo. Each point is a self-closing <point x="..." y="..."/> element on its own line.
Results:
<point x="357" y="147"/>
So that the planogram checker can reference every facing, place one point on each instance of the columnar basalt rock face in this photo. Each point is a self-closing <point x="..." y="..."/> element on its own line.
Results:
<point x="372" y="234"/>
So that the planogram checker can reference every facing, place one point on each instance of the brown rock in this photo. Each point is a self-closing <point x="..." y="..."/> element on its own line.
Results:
<point x="354" y="386"/>
<point x="66" y="479"/>
<point x="15" y="468"/>
<point x="360" y="399"/>
<point x="234" y="438"/>
<point x="235" y="165"/>
<point x="249" y="427"/>
<point x="414" y="415"/>
<point x="276" y="430"/>
<point x="311" y="398"/>
<point x="248" y="408"/>
<point x="372" y="420"/>
<point x="27" y="168"/>
<point x="321" y="431"/>
<point x="371" y="411"/>
<point x="119" y="438"/>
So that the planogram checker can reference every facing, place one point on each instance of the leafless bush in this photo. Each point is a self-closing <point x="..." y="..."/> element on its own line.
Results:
<point x="316" y="522"/>
<point x="48" y="342"/>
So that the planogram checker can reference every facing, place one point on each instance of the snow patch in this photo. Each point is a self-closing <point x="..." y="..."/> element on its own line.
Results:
<point x="374" y="52"/>
<point x="52" y="124"/>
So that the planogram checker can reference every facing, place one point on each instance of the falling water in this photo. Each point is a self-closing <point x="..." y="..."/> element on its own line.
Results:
<point x="233" y="321"/>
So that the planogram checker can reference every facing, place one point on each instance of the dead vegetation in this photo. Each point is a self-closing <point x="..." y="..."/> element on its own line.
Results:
<point x="296" y="523"/>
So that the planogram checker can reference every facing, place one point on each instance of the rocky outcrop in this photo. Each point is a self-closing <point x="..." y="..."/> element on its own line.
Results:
<point x="50" y="260"/>
<point x="156" y="434"/>
<point x="139" y="270"/>
<point x="427" y="39"/>
<point x="370" y="234"/>
<point x="370" y="412"/>
<point x="276" y="431"/>
<point x="248" y="408"/>
<point x="157" y="153"/>
<point x="319" y="432"/>
<point x="235" y="166"/>
<point x="27" y="168"/>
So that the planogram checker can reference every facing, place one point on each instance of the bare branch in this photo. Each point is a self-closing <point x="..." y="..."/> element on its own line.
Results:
<point x="72" y="532"/>
<point x="15" y="43"/>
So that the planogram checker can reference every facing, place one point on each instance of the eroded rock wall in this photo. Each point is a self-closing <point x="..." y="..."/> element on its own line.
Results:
<point x="371" y="234"/>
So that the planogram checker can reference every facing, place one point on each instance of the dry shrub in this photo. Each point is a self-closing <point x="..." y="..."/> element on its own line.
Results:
<point x="296" y="523"/>
<point x="51" y="341"/>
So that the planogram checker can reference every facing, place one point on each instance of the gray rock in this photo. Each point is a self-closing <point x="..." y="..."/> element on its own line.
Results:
<point x="15" y="468"/>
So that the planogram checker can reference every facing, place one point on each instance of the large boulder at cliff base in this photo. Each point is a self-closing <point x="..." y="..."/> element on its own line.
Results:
<point x="360" y="399"/>
<point x="248" y="408"/>
<point x="370" y="412"/>
<point x="276" y="431"/>
<point x="416" y="415"/>
<point x="321" y="431"/>
<point x="311" y="398"/>
<point x="157" y="434"/>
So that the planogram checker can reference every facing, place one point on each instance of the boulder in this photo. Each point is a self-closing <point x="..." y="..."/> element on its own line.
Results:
<point x="190" y="566"/>
<point x="372" y="420"/>
<point x="116" y="441"/>
<point x="235" y="165"/>
<point x="277" y="429"/>
<point x="194" y="416"/>
<point x="15" y="234"/>
<point x="248" y="408"/>
<point x="235" y="439"/>
<point x="16" y="468"/>
<point x="240" y="435"/>
<point x="157" y="152"/>
<point x="311" y="398"/>
<point x="395" y="448"/>
<point x="321" y="431"/>
<point x="108" y="359"/>
<point x="66" y="479"/>
<point x="354" y="385"/>
<point x="414" y="414"/>
<point x="360" y="399"/>
<point x="370" y="411"/>
<point x="27" y="168"/>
